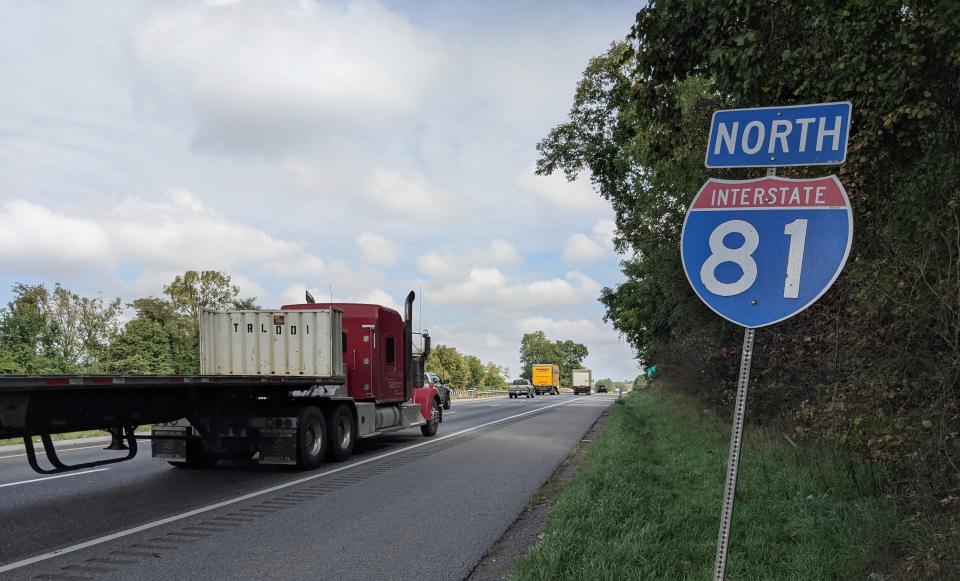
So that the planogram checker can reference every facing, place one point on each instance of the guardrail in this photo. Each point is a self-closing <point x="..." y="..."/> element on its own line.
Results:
<point x="475" y="393"/>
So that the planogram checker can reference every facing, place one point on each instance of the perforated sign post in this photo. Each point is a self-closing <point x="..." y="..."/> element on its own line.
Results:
<point x="760" y="251"/>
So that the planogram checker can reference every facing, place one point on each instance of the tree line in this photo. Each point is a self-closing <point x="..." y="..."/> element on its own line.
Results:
<point x="874" y="366"/>
<point x="463" y="371"/>
<point x="57" y="331"/>
<point x="466" y="371"/>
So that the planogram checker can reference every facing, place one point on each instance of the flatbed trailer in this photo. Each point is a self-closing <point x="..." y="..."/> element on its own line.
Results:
<point x="278" y="418"/>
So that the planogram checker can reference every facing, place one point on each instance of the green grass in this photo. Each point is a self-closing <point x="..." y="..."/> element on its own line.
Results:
<point x="646" y="505"/>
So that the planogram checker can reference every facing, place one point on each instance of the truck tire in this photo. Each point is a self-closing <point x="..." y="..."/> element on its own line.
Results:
<point x="430" y="428"/>
<point x="446" y="402"/>
<point x="341" y="434"/>
<point x="196" y="457"/>
<point x="311" y="437"/>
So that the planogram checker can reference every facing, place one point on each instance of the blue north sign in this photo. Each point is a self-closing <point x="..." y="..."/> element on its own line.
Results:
<point x="779" y="136"/>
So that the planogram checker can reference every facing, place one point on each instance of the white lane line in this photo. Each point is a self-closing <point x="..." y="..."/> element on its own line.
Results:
<point x="52" y="477"/>
<point x="248" y="496"/>
<point x="58" y="450"/>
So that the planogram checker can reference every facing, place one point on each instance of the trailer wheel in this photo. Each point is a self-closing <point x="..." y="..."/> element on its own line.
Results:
<point x="342" y="434"/>
<point x="430" y="428"/>
<point x="311" y="437"/>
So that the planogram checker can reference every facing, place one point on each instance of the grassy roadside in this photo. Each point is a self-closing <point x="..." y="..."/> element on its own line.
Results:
<point x="646" y="505"/>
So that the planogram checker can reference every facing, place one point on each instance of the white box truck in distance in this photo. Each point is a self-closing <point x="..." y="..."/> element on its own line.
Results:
<point x="582" y="381"/>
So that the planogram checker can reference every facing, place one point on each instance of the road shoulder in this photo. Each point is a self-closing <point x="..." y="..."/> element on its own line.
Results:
<point x="527" y="530"/>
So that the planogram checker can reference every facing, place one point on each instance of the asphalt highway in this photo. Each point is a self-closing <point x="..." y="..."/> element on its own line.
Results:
<point x="403" y="507"/>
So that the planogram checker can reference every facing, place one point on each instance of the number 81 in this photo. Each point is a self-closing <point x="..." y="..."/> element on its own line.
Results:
<point x="743" y="257"/>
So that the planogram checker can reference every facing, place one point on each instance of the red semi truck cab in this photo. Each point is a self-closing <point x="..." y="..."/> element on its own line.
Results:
<point x="373" y="342"/>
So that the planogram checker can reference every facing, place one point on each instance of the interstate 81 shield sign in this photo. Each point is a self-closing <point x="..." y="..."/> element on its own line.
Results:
<point x="760" y="251"/>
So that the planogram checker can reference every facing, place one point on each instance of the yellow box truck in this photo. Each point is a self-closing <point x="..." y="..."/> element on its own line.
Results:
<point x="546" y="379"/>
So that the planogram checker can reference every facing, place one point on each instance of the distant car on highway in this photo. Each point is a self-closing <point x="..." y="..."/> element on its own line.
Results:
<point x="521" y="387"/>
<point x="601" y="388"/>
<point x="443" y="390"/>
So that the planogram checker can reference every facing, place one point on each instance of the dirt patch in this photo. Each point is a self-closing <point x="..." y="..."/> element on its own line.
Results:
<point x="527" y="530"/>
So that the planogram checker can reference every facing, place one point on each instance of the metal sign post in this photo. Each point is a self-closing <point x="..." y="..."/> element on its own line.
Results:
<point x="733" y="460"/>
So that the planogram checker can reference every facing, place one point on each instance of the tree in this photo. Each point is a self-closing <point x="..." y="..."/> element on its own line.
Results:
<point x="158" y="340"/>
<point x="475" y="371"/>
<point x="194" y="291"/>
<point x="537" y="348"/>
<point x="26" y="335"/>
<point x="495" y="376"/>
<point x="245" y="304"/>
<point x="82" y="327"/>
<point x="449" y="364"/>
<point x="143" y="348"/>
<point x="56" y="332"/>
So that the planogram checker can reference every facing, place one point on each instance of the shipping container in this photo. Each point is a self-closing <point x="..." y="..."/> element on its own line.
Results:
<point x="271" y="342"/>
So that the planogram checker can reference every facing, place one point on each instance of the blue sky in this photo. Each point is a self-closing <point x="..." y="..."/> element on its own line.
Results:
<point x="371" y="147"/>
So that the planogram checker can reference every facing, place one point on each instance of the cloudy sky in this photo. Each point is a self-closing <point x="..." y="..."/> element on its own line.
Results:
<point x="369" y="146"/>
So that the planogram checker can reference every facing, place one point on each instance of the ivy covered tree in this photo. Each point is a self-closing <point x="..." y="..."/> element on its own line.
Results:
<point x="874" y="365"/>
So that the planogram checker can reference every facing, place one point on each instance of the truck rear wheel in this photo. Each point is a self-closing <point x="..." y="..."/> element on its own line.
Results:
<point x="430" y="428"/>
<point x="311" y="437"/>
<point x="341" y="434"/>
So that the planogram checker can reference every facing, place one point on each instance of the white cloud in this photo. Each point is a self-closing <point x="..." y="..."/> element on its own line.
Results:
<point x="182" y="233"/>
<point x="36" y="237"/>
<point x="377" y="249"/>
<point x="488" y="288"/>
<point x="582" y="249"/>
<point x="257" y="76"/>
<point x="407" y="194"/>
<point x="584" y="330"/>
<point x="446" y="266"/>
<point x="604" y="231"/>
<point x="557" y="193"/>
